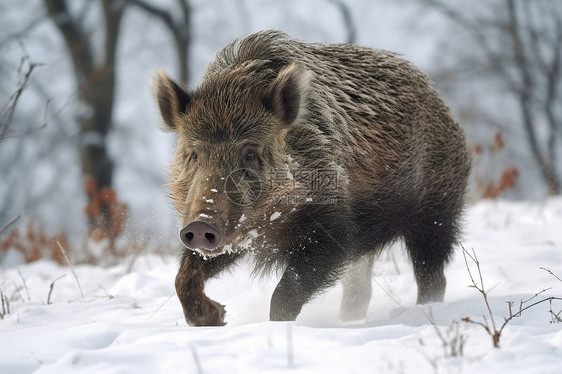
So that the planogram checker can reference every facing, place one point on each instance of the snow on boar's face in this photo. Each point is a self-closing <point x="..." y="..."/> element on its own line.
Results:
<point x="231" y="134"/>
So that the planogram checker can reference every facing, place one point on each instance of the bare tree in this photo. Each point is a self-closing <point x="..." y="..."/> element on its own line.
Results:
<point x="92" y="51"/>
<point x="95" y="78"/>
<point x="521" y="42"/>
<point x="180" y="27"/>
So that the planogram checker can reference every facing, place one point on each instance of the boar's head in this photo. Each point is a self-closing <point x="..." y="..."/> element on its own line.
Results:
<point x="231" y="134"/>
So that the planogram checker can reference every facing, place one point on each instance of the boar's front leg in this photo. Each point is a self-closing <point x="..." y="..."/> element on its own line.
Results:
<point x="309" y="271"/>
<point x="198" y="309"/>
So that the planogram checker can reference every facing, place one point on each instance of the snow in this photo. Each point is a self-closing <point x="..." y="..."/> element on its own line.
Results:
<point x="130" y="320"/>
<point x="274" y="216"/>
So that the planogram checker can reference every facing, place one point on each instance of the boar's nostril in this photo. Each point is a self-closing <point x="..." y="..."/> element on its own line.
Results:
<point x="199" y="234"/>
<point x="210" y="236"/>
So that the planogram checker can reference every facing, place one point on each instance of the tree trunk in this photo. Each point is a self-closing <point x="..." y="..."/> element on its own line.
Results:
<point x="96" y="83"/>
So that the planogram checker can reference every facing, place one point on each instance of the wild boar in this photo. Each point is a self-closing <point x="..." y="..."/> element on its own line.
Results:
<point x="311" y="158"/>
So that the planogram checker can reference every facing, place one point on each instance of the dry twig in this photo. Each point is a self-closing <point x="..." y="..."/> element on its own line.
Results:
<point x="7" y="112"/>
<point x="51" y="288"/>
<point x="5" y="305"/>
<point x="160" y="307"/>
<point x="453" y="341"/>
<point x="551" y="273"/>
<point x="555" y="317"/>
<point x="196" y="359"/>
<point x="491" y="327"/>
<point x="10" y="223"/>
<point x="70" y="266"/>
<point x="24" y="285"/>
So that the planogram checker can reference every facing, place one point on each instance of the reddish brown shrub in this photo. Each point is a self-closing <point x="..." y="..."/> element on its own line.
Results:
<point x="34" y="244"/>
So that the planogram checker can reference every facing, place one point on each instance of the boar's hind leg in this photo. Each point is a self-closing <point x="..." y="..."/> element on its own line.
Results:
<point x="198" y="309"/>
<point x="430" y="247"/>
<point x="357" y="289"/>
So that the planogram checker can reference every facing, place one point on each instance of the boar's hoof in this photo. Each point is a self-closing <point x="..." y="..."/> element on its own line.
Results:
<point x="211" y="313"/>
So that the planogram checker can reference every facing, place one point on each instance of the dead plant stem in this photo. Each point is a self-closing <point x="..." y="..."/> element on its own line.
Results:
<point x="70" y="266"/>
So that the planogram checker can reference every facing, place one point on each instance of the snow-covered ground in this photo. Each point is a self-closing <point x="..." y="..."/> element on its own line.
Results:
<point x="129" y="319"/>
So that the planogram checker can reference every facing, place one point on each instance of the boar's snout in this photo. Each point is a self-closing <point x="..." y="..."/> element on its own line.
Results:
<point x="199" y="234"/>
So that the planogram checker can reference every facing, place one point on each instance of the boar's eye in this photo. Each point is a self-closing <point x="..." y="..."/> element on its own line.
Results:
<point x="249" y="156"/>
<point x="193" y="157"/>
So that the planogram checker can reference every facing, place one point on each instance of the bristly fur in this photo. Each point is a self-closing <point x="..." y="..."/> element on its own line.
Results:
<point x="367" y="116"/>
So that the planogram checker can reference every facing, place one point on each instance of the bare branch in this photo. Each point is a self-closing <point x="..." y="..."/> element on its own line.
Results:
<point x="181" y="31"/>
<point x="475" y="285"/>
<point x="36" y="21"/>
<point x="164" y="16"/>
<point x="492" y="330"/>
<point x="349" y="24"/>
<point x="7" y="112"/>
<point x="452" y="346"/>
<point x="555" y="317"/>
<point x="551" y="273"/>
<point x="10" y="223"/>
<point x="534" y="296"/>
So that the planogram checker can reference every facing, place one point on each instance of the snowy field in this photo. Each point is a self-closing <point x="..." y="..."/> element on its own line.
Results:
<point x="129" y="319"/>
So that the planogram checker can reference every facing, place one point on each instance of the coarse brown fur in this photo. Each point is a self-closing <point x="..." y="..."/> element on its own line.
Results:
<point x="343" y="149"/>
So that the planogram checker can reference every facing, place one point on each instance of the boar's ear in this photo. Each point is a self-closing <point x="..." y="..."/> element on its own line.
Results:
<point x="172" y="100"/>
<point x="286" y="96"/>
